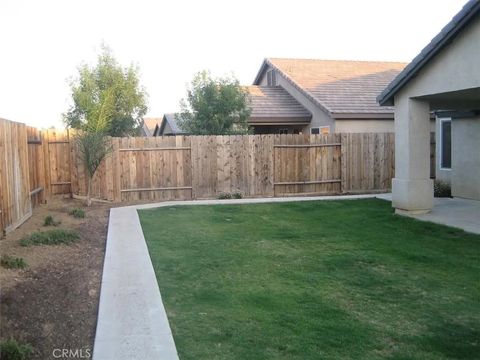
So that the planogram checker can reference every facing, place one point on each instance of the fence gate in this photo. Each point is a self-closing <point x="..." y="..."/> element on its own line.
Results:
<point x="58" y="161"/>
<point x="307" y="165"/>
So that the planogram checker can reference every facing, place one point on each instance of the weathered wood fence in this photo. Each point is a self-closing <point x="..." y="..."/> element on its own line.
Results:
<point x="199" y="167"/>
<point x="36" y="164"/>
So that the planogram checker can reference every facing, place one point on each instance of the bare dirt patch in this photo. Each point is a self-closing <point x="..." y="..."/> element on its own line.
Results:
<point x="53" y="303"/>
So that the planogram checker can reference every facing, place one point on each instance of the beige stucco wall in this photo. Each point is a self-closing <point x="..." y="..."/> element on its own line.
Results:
<point x="456" y="67"/>
<point x="465" y="173"/>
<point x="355" y="126"/>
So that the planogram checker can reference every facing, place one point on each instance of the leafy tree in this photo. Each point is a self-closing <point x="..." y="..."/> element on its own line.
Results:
<point x="107" y="87"/>
<point x="215" y="106"/>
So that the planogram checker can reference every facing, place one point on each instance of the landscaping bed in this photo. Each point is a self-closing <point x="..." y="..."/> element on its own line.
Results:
<point x="309" y="280"/>
<point x="52" y="303"/>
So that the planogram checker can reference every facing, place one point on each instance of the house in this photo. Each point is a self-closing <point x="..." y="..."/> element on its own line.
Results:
<point x="169" y="126"/>
<point x="339" y="95"/>
<point x="274" y="110"/>
<point x="444" y="78"/>
<point x="149" y="126"/>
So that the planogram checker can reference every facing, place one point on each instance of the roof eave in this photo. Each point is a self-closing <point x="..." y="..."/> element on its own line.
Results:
<point x="260" y="73"/>
<point x="458" y="22"/>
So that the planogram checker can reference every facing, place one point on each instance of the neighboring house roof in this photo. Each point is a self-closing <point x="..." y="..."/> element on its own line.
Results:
<point x="275" y="103"/>
<point x="459" y="21"/>
<point x="341" y="88"/>
<point x="172" y="120"/>
<point x="149" y="125"/>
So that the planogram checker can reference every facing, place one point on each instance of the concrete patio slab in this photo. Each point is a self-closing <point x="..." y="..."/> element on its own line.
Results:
<point x="456" y="212"/>
<point x="132" y="322"/>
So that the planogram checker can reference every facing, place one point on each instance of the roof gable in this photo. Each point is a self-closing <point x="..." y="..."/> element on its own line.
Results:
<point x="469" y="11"/>
<point x="336" y="86"/>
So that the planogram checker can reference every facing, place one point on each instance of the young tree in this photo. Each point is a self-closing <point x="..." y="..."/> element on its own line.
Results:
<point x="94" y="84"/>
<point x="92" y="140"/>
<point x="215" y="106"/>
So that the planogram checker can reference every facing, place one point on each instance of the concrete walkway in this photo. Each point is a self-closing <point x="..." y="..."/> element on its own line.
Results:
<point x="456" y="212"/>
<point x="132" y="322"/>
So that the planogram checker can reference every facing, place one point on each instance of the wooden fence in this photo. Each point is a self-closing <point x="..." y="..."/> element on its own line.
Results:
<point x="199" y="167"/>
<point x="15" y="204"/>
<point x="36" y="164"/>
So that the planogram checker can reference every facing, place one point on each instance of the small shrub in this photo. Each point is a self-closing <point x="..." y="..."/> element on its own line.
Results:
<point x="77" y="213"/>
<point x="442" y="189"/>
<point x="222" y="196"/>
<point x="50" y="237"/>
<point x="11" y="350"/>
<point x="237" y="195"/>
<point x="10" y="262"/>
<point x="50" y="221"/>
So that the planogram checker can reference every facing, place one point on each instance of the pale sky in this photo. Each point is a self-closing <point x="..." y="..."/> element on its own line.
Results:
<point x="43" y="42"/>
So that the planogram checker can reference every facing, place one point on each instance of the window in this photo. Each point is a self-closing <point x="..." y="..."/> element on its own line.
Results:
<point x="271" y="78"/>
<point x="320" y="130"/>
<point x="283" y="131"/>
<point x="445" y="144"/>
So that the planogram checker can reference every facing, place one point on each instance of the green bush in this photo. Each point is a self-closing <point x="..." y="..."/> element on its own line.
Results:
<point x="442" y="189"/>
<point x="50" y="221"/>
<point x="50" y="237"/>
<point x="226" y="195"/>
<point x="11" y="350"/>
<point x="237" y="195"/>
<point x="77" y="213"/>
<point x="10" y="262"/>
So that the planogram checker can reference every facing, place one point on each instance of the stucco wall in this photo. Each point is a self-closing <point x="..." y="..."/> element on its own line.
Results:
<point x="356" y="126"/>
<point x="456" y="67"/>
<point x="465" y="173"/>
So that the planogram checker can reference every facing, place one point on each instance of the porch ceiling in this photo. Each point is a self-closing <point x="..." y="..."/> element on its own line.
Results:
<point x="461" y="100"/>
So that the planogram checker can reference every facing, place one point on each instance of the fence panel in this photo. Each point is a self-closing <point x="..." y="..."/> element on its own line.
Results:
<point x="15" y="203"/>
<point x="57" y="161"/>
<point x="368" y="162"/>
<point x="307" y="164"/>
<point x="36" y="165"/>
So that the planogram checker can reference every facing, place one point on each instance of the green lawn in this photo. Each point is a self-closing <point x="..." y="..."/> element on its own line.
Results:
<point x="315" y="280"/>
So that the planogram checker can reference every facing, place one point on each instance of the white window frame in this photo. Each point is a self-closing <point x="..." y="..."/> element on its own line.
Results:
<point x="440" y="157"/>
<point x="320" y="129"/>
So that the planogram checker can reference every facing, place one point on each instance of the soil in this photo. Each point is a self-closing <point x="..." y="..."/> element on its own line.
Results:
<point x="53" y="303"/>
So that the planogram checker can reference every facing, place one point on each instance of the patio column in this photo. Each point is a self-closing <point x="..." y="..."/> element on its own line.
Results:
<point x="412" y="188"/>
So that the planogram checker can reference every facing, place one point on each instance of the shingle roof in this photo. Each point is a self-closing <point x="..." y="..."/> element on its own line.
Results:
<point x="469" y="11"/>
<point x="338" y="86"/>
<point x="172" y="121"/>
<point x="275" y="102"/>
<point x="149" y="125"/>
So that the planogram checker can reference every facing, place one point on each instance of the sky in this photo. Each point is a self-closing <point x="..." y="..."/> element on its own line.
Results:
<point x="44" y="42"/>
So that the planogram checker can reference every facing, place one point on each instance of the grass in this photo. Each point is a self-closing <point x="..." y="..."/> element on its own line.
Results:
<point x="50" y="221"/>
<point x="12" y="350"/>
<point x="77" y="213"/>
<point x="315" y="280"/>
<point x="10" y="262"/>
<point x="50" y="237"/>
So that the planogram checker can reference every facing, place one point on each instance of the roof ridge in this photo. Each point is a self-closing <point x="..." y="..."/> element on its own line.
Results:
<point x="338" y="60"/>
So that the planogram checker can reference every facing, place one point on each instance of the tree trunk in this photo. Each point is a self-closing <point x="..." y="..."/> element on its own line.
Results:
<point x="89" y="189"/>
